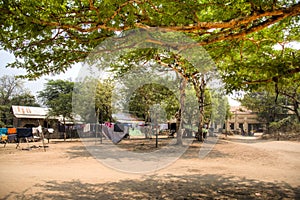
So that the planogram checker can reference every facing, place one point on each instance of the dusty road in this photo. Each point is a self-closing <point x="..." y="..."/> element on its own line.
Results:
<point x="234" y="169"/>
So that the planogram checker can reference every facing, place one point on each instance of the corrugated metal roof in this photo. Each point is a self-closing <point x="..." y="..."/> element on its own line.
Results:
<point x="30" y="112"/>
<point x="126" y="117"/>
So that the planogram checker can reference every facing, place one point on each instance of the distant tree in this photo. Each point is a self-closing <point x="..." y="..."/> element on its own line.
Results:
<point x="196" y="70"/>
<point x="25" y="99"/>
<point x="268" y="110"/>
<point x="12" y="92"/>
<point x="93" y="96"/>
<point x="57" y="95"/>
<point x="9" y="88"/>
<point x="221" y="109"/>
<point x="150" y="94"/>
<point x="103" y="100"/>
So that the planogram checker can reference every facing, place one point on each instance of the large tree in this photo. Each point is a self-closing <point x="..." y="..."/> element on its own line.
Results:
<point x="48" y="36"/>
<point x="239" y="35"/>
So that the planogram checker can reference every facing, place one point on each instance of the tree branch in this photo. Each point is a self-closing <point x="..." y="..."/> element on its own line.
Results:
<point x="290" y="71"/>
<point x="282" y="13"/>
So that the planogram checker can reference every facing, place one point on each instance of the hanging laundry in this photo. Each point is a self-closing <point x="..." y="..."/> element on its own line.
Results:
<point x="163" y="126"/>
<point x="61" y="128"/>
<point x="119" y="127"/>
<point x="115" y="137"/>
<point x="24" y="132"/>
<point x="50" y="130"/>
<point x="108" y="124"/>
<point x="35" y="130"/>
<point x="12" y="138"/>
<point x="87" y="128"/>
<point x="4" y="138"/>
<point x="105" y="132"/>
<point x="40" y="129"/>
<point x="11" y="130"/>
<point x="3" y="131"/>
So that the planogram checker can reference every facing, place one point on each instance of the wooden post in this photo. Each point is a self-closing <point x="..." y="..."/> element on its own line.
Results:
<point x="156" y="137"/>
<point x="97" y="122"/>
<point x="42" y="134"/>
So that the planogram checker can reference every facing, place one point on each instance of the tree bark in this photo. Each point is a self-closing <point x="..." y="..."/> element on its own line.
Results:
<point x="201" y="97"/>
<point x="181" y="111"/>
<point x="296" y="107"/>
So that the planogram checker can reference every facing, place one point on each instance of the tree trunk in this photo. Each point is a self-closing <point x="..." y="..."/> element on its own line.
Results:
<point x="181" y="111"/>
<point x="200" y="95"/>
<point x="296" y="107"/>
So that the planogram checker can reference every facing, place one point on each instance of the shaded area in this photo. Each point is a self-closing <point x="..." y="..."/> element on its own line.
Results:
<point x="163" y="187"/>
<point x="143" y="146"/>
<point x="91" y="148"/>
<point x="247" y="140"/>
<point x="78" y="152"/>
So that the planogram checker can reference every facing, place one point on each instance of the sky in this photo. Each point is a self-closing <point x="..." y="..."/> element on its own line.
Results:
<point x="38" y="85"/>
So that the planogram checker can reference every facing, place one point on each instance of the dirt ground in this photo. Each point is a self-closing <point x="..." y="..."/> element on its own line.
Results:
<point x="236" y="168"/>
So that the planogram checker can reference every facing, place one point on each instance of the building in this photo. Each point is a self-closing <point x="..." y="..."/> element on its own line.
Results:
<point x="29" y="116"/>
<point x="243" y="121"/>
<point x="127" y="118"/>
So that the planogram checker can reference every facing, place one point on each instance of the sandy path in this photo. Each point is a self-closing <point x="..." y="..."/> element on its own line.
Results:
<point x="233" y="169"/>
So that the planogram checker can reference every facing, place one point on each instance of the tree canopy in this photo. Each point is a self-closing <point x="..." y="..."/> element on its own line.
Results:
<point x="239" y="35"/>
<point x="148" y="95"/>
<point x="91" y="96"/>
<point x="64" y="32"/>
<point x="57" y="95"/>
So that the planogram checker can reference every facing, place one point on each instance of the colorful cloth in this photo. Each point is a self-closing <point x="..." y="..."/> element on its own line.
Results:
<point x="3" y="138"/>
<point x="109" y="125"/>
<point x="11" y="130"/>
<point x="3" y="131"/>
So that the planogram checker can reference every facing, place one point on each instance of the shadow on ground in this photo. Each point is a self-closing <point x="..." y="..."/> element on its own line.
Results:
<point x="163" y="187"/>
<point x="78" y="152"/>
<point x="247" y="140"/>
<point x="191" y="152"/>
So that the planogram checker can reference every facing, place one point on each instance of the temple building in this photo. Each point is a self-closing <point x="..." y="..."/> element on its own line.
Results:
<point x="243" y="121"/>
